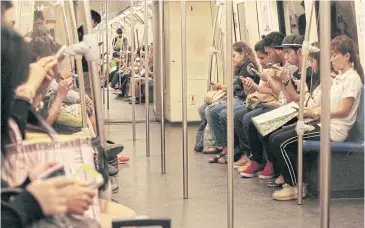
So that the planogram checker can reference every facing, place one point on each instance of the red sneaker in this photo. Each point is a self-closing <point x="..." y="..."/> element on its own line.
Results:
<point x="122" y="159"/>
<point x="268" y="171"/>
<point x="251" y="170"/>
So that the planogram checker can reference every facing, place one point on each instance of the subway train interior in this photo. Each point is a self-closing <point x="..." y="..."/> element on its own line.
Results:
<point x="227" y="133"/>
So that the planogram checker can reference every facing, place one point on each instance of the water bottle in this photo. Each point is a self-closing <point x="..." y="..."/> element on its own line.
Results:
<point x="282" y="99"/>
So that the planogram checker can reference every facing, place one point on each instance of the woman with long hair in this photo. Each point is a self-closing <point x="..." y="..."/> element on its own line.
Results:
<point x="244" y="62"/>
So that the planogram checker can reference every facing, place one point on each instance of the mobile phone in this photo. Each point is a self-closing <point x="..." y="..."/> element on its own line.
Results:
<point x="60" y="51"/>
<point x="90" y="174"/>
<point x="55" y="171"/>
<point x="275" y="67"/>
<point x="74" y="76"/>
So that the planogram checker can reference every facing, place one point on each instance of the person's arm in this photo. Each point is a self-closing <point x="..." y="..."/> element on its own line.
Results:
<point x="54" y="111"/>
<point x="72" y="96"/>
<point x="341" y="111"/>
<point x="283" y="76"/>
<point x="21" y="211"/>
<point x="263" y="87"/>
<point x="343" y="108"/>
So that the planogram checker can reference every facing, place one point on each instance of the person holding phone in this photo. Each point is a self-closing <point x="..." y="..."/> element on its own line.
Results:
<point x="244" y="61"/>
<point x="38" y="198"/>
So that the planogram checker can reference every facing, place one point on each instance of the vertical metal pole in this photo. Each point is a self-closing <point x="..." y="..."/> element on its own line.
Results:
<point x="325" y="156"/>
<point x="102" y="55"/>
<point x="230" y="133"/>
<point x="133" y="73"/>
<point x="67" y="32"/>
<point x="73" y="13"/>
<point x="95" y="81"/>
<point x="162" y="75"/>
<point x="213" y="45"/>
<point x="107" y="51"/>
<point x="147" y="69"/>
<point x="184" y="99"/>
<point x="305" y="53"/>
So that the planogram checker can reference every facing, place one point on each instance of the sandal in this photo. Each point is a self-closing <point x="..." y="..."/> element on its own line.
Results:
<point x="223" y="160"/>
<point x="215" y="159"/>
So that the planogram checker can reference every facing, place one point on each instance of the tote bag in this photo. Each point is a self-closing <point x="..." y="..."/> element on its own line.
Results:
<point x="71" y="152"/>
<point x="273" y="120"/>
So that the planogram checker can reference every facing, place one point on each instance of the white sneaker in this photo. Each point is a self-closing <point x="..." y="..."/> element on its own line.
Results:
<point x="288" y="192"/>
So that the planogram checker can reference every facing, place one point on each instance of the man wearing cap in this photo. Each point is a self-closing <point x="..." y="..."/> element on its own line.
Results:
<point x="292" y="49"/>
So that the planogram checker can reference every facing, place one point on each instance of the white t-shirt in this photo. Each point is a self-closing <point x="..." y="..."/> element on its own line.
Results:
<point x="344" y="85"/>
<point x="314" y="101"/>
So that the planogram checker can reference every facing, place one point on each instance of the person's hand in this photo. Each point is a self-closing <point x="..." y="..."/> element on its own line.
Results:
<point x="50" y="195"/>
<point x="265" y="74"/>
<point x="248" y="83"/>
<point x="66" y="74"/>
<point x="297" y="83"/>
<point x="311" y="113"/>
<point x="78" y="198"/>
<point x="88" y="102"/>
<point x="37" y="171"/>
<point x="41" y="73"/>
<point x="218" y="86"/>
<point x="280" y="74"/>
<point x="64" y="86"/>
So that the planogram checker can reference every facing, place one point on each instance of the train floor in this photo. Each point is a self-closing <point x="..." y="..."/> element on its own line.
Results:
<point x="143" y="188"/>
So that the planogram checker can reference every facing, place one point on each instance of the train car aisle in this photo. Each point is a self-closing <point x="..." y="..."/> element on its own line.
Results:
<point x="143" y="188"/>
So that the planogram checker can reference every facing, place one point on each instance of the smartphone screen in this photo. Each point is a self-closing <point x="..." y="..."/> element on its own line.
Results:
<point x="53" y="172"/>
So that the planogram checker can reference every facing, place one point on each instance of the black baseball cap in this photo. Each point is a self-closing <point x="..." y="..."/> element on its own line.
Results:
<point x="292" y="41"/>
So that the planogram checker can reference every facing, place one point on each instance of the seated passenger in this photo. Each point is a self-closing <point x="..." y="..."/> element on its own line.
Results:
<point x="292" y="50"/>
<point x="344" y="99"/>
<point x="7" y="13"/>
<point x="267" y="86"/>
<point x="141" y="79"/>
<point x="244" y="61"/>
<point x="259" y="143"/>
<point x="38" y="198"/>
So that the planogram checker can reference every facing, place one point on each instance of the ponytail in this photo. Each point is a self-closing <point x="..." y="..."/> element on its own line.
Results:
<point x="358" y="68"/>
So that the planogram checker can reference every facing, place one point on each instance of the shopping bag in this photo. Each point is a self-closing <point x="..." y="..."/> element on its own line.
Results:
<point x="215" y="95"/>
<point x="73" y="152"/>
<point x="273" y="120"/>
<point x="208" y="139"/>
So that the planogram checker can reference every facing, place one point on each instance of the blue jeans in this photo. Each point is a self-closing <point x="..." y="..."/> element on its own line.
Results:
<point x="213" y="118"/>
<point x="201" y="110"/>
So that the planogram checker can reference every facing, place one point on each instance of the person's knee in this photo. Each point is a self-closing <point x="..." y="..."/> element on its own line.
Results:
<point x="202" y="107"/>
<point x="223" y="115"/>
